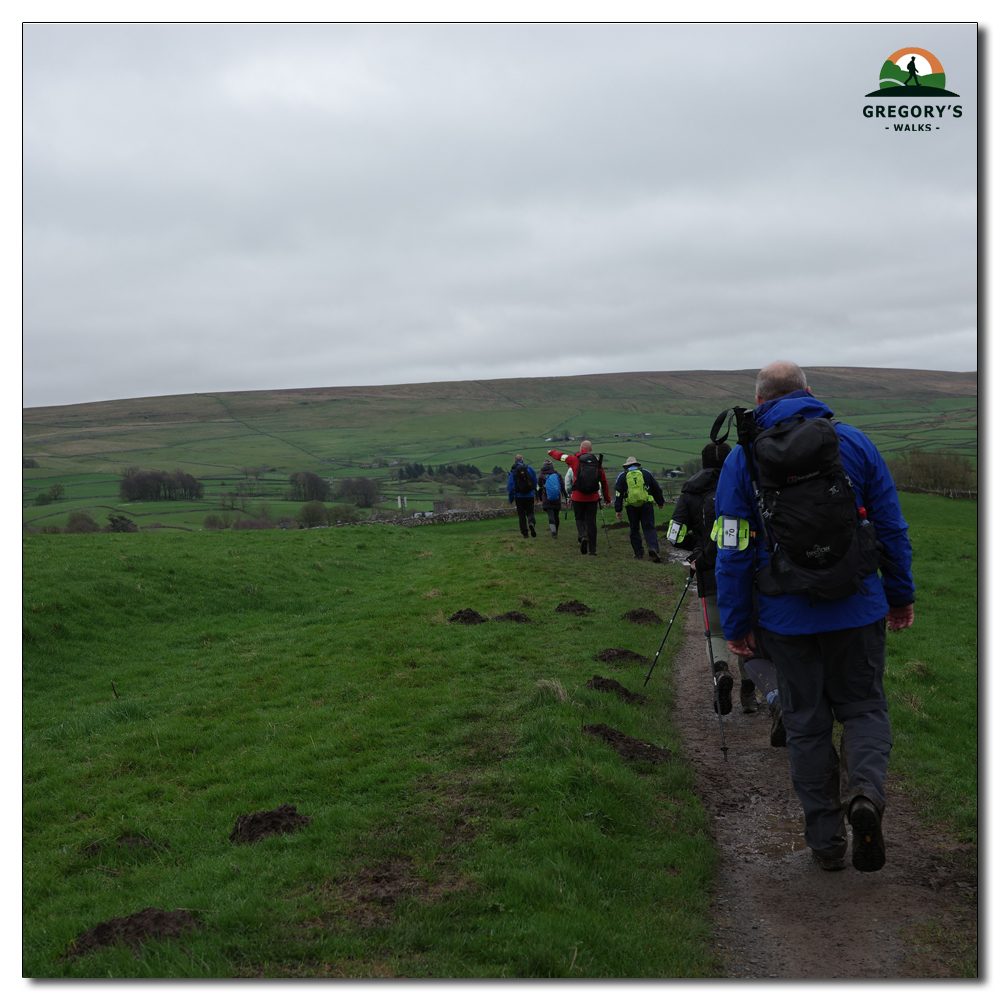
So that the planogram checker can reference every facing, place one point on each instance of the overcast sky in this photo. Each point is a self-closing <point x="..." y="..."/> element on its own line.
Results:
<point x="225" y="207"/>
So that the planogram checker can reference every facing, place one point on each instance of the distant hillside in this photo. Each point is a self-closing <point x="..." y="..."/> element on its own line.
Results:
<point x="482" y="422"/>
<point x="668" y="391"/>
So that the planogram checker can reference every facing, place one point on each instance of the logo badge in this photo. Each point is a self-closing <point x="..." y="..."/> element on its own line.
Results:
<point x="913" y="73"/>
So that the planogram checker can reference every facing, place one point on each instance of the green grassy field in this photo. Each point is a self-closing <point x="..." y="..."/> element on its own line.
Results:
<point x="932" y="669"/>
<point x="334" y="432"/>
<point x="319" y="668"/>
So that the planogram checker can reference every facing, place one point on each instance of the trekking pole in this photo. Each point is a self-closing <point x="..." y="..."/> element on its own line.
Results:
<point x="715" y="681"/>
<point x="655" y="658"/>
<point x="600" y="507"/>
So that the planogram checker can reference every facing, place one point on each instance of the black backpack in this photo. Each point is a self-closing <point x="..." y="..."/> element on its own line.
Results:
<point x="588" y="474"/>
<point x="819" y="542"/>
<point x="522" y="481"/>
<point x="703" y="488"/>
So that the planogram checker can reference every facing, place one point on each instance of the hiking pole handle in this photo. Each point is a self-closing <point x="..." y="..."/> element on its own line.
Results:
<point x="665" y="634"/>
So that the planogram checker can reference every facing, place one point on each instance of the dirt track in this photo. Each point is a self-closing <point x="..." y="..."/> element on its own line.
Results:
<point x="777" y="913"/>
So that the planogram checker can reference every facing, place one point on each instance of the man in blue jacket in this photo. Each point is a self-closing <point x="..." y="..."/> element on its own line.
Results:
<point x="829" y="655"/>
<point x="522" y="484"/>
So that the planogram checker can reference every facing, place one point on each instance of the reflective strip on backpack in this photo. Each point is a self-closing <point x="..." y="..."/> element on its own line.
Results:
<point x="731" y="533"/>
<point x="677" y="532"/>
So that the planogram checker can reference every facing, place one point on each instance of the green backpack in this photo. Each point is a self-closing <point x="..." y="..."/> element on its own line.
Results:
<point x="637" y="492"/>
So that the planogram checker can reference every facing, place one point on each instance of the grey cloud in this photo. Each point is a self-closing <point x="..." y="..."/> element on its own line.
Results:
<point x="226" y="207"/>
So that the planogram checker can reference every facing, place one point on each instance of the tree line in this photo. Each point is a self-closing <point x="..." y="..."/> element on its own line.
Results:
<point x="155" y="484"/>
<point x="414" y="470"/>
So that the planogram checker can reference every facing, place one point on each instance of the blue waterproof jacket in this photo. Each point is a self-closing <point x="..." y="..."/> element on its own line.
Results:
<point x="511" y="493"/>
<point x="790" y="614"/>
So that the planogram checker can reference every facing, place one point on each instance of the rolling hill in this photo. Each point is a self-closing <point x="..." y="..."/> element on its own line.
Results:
<point x="663" y="418"/>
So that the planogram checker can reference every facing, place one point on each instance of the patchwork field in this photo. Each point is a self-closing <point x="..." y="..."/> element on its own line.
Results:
<point x="337" y="432"/>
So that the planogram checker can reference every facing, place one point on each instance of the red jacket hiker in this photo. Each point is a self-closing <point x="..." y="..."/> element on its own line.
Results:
<point x="573" y="461"/>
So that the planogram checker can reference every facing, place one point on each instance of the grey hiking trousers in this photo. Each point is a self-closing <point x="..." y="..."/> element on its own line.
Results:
<point x="822" y="677"/>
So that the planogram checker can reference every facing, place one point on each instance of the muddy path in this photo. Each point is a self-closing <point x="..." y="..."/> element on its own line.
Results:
<point x="777" y="913"/>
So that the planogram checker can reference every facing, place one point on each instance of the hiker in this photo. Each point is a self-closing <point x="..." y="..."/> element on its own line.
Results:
<point x="824" y="623"/>
<point x="691" y="528"/>
<point x="522" y="483"/>
<point x="551" y="491"/>
<point x="637" y="491"/>
<point x="911" y="68"/>
<point x="589" y="483"/>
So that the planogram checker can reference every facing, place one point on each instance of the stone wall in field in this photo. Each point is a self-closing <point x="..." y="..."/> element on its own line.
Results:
<point x="448" y="517"/>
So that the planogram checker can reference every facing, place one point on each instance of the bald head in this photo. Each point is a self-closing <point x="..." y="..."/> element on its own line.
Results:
<point x="586" y="446"/>
<point x="778" y="379"/>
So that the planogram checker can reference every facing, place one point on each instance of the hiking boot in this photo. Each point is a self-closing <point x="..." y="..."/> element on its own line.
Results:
<point x="637" y="555"/>
<point x="724" y="684"/>
<point x="835" y="862"/>
<point x="868" y="848"/>
<point x="778" y="735"/>
<point x="583" y="546"/>
<point x="531" y="528"/>
<point x="748" y="696"/>
<point x="654" y="555"/>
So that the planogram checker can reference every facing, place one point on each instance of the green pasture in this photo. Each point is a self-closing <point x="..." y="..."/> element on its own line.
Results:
<point x="335" y="431"/>
<point x="320" y="668"/>
<point x="932" y="669"/>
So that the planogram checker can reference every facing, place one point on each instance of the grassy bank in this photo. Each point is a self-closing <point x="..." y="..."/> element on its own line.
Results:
<point x="462" y="824"/>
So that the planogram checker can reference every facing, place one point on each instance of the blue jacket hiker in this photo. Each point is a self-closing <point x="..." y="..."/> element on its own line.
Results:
<point x="522" y="484"/>
<point x="636" y="490"/>
<point x="829" y="654"/>
<point x="551" y="491"/>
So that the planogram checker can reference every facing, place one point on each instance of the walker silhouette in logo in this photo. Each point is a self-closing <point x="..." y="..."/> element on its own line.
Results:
<point x="913" y="72"/>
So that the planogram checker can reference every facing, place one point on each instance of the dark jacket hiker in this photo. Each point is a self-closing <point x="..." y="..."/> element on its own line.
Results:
<point x="691" y="527"/>
<point x="636" y="490"/>
<point x="522" y="483"/>
<point x="692" y="522"/>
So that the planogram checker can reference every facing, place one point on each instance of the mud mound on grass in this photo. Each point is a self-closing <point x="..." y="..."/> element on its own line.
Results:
<point x="134" y="930"/>
<point x="130" y="842"/>
<point x="513" y="616"/>
<point x="468" y="617"/>
<point x="628" y="747"/>
<point x="618" y="654"/>
<point x="268" y="823"/>
<point x="369" y="897"/>
<point x="574" y="608"/>
<point x="598" y="683"/>
<point x="642" y="616"/>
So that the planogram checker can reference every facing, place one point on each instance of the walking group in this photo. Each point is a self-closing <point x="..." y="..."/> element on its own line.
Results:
<point x="582" y="488"/>
<point x="797" y="543"/>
